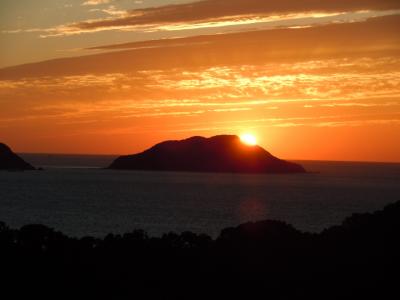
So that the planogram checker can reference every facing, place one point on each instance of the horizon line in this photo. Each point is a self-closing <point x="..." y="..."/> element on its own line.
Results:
<point x="287" y="159"/>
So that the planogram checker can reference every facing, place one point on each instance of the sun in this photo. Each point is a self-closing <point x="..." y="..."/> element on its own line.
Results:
<point x="248" y="139"/>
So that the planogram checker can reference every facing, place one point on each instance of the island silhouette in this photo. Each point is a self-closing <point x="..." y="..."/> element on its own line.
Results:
<point x="11" y="161"/>
<point x="221" y="153"/>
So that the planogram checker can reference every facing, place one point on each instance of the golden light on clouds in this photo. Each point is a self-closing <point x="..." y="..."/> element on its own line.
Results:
<point x="309" y="90"/>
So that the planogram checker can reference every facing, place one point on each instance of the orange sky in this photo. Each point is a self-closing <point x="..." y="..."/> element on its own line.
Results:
<point x="311" y="82"/>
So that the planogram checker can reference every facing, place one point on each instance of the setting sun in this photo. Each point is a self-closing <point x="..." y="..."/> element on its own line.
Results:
<point x="248" y="139"/>
<point x="217" y="133"/>
<point x="115" y="77"/>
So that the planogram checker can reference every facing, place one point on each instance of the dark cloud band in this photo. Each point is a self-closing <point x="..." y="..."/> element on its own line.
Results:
<point x="249" y="48"/>
<point x="203" y="11"/>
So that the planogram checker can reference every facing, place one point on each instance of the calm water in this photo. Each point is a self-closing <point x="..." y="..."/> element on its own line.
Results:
<point x="89" y="201"/>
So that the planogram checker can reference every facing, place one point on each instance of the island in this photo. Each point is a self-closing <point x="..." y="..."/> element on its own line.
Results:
<point x="11" y="161"/>
<point x="221" y="153"/>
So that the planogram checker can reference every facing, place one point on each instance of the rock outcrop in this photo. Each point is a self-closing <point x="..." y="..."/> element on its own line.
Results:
<point x="11" y="161"/>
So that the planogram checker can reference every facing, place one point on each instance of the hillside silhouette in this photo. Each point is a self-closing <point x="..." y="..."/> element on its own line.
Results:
<point x="358" y="259"/>
<point x="222" y="153"/>
<point x="11" y="161"/>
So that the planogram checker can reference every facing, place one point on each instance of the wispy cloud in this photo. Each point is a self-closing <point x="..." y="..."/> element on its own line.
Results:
<point x="223" y="14"/>
<point x="209" y="11"/>
<point x="331" y="80"/>
<point x="361" y="104"/>
<point x="110" y="10"/>
<point x="332" y="89"/>
<point x="292" y="20"/>
<point x="95" y="2"/>
<point x="286" y="124"/>
<point x="236" y="49"/>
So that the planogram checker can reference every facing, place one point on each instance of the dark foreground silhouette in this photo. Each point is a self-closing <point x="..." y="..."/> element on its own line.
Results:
<point x="11" y="161"/>
<point x="358" y="259"/>
<point x="222" y="153"/>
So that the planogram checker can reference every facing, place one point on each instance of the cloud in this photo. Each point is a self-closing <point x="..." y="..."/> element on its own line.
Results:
<point x="95" y="2"/>
<point x="223" y="14"/>
<point x="111" y="10"/>
<point x="330" y="86"/>
<point x="333" y="121"/>
<point x="246" y="48"/>
<point x="361" y="104"/>
<point x="214" y="10"/>
<point x="236" y="85"/>
<point x="349" y="33"/>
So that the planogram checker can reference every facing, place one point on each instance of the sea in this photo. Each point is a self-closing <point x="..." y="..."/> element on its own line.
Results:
<point x="75" y="194"/>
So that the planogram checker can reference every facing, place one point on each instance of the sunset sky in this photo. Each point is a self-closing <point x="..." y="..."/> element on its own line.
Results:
<point x="310" y="79"/>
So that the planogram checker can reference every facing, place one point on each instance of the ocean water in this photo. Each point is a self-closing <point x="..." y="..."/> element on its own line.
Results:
<point x="77" y="197"/>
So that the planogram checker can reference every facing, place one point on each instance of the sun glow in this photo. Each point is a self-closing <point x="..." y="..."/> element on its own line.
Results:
<point x="248" y="139"/>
